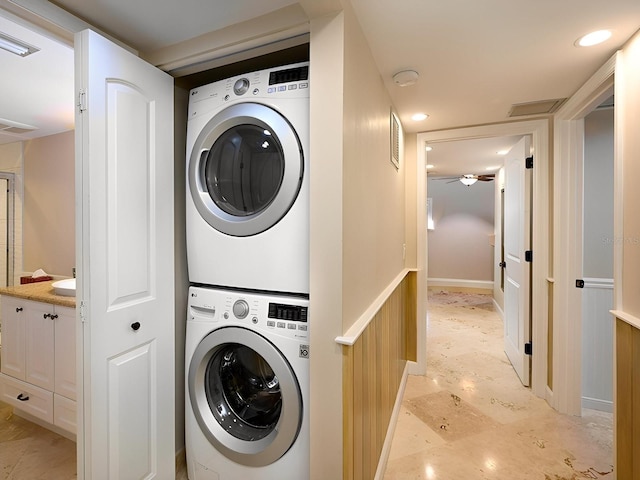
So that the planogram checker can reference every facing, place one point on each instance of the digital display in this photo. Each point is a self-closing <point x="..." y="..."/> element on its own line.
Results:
<point x="287" y="312"/>
<point x="289" y="75"/>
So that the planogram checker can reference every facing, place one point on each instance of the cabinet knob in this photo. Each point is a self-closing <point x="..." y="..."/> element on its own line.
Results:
<point x="135" y="326"/>
<point x="46" y="315"/>
<point x="19" y="309"/>
<point x="22" y="398"/>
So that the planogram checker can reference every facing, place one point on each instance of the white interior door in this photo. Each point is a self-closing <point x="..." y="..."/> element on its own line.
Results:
<point x="517" y="326"/>
<point x="124" y="182"/>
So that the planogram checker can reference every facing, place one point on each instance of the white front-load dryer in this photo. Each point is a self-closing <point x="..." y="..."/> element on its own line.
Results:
<point x="248" y="181"/>
<point x="247" y="386"/>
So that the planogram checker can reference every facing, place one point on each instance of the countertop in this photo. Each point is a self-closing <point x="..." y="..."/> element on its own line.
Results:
<point x="39" y="292"/>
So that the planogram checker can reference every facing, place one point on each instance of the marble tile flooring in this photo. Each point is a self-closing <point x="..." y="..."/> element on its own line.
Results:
<point x="30" y="452"/>
<point x="470" y="418"/>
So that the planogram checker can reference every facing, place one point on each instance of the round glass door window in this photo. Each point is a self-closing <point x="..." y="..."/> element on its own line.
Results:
<point x="245" y="169"/>
<point x="243" y="392"/>
<point x="245" y="396"/>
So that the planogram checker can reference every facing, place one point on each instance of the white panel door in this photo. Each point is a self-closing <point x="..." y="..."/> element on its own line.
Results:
<point x="517" y="326"/>
<point x="124" y="190"/>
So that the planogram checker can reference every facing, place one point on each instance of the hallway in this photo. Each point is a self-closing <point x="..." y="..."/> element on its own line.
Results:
<point x="470" y="417"/>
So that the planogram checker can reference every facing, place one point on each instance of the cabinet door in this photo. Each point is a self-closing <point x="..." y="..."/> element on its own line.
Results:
<point x="65" y="352"/>
<point x="13" y="334"/>
<point x="39" y="344"/>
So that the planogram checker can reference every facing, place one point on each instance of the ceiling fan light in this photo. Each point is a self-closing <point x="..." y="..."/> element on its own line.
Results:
<point x="468" y="180"/>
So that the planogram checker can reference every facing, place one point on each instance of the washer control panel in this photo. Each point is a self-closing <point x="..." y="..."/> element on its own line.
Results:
<point x="279" y="314"/>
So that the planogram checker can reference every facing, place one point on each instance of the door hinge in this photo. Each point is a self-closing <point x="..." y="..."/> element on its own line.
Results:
<point x="82" y="100"/>
<point x="528" y="162"/>
<point x="579" y="283"/>
<point x="528" y="348"/>
<point x="81" y="309"/>
<point x="528" y="256"/>
<point x="502" y="264"/>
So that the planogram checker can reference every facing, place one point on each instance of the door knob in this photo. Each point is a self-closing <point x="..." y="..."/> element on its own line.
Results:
<point x="135" y="326"/>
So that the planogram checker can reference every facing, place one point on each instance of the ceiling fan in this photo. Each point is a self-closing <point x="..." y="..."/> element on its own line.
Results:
<point x="469" y="179"/>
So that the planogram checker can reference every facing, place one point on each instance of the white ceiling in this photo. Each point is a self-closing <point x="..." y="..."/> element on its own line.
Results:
<point x="475" y="59"/>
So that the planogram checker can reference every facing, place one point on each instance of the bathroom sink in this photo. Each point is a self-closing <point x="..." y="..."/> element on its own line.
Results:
<point x="65" y="287"/>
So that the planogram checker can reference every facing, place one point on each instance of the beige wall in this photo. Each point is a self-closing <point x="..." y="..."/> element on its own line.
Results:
<point x="411" y="205"/>
<point x="357" y="216"/>
<point x="627" y="236"/>
<point x="374" y="192"/>
<point x="49" y="204"/>
<point x="325" y="295"/>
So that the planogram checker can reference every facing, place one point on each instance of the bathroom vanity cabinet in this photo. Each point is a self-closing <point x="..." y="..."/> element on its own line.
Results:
<point x="38" y="364"/>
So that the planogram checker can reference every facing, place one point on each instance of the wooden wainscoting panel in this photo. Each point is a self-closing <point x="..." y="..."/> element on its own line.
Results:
<point x="373" y="369"/>
<point x="627" y="419"/>
<point x="635" y="401"/>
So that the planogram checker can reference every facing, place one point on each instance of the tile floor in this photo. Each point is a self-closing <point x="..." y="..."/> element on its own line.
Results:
<point x="470" y="418"/>
<point x="30" y="452"/>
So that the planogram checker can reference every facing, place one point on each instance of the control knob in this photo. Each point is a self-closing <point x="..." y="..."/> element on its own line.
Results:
<point x="241" y="86"/>
<point x="241" y="309"/>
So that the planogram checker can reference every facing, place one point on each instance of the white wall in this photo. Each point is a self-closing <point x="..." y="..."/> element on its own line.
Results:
<point x="460" y="244"/>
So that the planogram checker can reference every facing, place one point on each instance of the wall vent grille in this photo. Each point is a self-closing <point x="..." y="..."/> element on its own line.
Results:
<point x="395" y="141"/>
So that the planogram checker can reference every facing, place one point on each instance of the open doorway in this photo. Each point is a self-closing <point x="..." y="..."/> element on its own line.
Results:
<point x="597" y="258"/>
<point x="468" y="250"/>
<point x="539" y="133"/>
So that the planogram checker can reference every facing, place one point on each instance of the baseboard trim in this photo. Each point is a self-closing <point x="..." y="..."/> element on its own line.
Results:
<point x="597" y="404"/>
<point x="461" y="285"/>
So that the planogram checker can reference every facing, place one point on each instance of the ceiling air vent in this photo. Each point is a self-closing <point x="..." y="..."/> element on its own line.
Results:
<point x="542" y="107"/>
<point x="15" y="128"/>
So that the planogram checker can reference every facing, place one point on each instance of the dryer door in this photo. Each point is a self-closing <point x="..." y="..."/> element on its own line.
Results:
<point x="245" y="169"/>
<point x="245" y="396"/>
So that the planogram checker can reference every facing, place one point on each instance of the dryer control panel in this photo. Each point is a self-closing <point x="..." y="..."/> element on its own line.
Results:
<point x="291" y="81"/>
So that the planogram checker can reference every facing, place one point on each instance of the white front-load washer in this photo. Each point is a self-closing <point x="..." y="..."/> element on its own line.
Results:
<point x="248" y="181"/>
<point x="247" y="386"/>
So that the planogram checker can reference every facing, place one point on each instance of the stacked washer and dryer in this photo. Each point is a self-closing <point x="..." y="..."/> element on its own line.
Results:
<point x="247" y="338"/>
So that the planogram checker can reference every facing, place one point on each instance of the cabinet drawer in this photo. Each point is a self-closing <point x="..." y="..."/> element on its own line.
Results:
<point x="39" y="403"/>
<point x="64" y="413"/>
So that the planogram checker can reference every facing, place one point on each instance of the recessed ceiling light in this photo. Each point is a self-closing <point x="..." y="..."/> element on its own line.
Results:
<point x="429" y="167"/>
<point x="593" y="38"/>
<point x="419" y="116"/>
<point x="502" y="152"/>
<point x="428" y="148"/>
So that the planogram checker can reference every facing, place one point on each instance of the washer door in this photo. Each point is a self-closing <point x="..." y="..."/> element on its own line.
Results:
<point x="245" y="169"/>
<point x="245" y="396"/>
